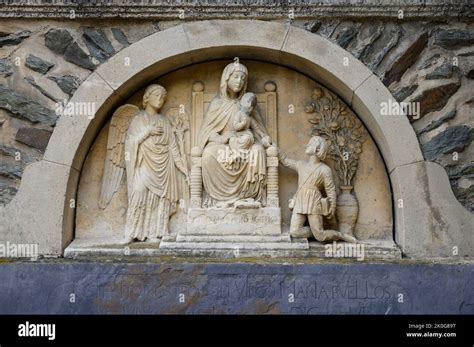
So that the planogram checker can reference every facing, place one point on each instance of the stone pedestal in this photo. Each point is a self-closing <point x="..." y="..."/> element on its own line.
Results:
<point x="229" y="221"/>
<point x="232" y="229"/>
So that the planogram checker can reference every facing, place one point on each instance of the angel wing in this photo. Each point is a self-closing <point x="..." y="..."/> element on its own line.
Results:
<point x="114" y="167"/>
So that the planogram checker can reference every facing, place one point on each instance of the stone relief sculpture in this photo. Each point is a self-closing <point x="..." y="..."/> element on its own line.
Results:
<point x="226" y="184"/>
<point x="231" y="138"/>
<point x="346" y="134"/>
<point x="233" y="185"/>
<point x="150" y="155"/>
<point x="309" y="203"/>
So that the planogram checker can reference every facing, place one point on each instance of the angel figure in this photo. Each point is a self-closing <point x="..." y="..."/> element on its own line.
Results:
<point x="150" y="156"/>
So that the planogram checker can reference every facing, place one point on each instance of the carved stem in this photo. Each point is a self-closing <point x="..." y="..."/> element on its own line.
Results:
<point x="272" y="177"/>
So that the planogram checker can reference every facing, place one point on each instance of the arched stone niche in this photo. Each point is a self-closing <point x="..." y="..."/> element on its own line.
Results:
<point x="429" y="224"/>
<point x="371" y="182"/>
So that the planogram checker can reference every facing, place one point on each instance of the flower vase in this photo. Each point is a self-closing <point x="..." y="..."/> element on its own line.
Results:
<point x="347" y="210"/>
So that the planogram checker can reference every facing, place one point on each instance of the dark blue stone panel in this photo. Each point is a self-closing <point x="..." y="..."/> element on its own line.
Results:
<point x="149" y="288"/>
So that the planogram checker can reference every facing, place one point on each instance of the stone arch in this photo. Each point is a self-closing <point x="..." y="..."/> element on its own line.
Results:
<point x="49" y="187"/>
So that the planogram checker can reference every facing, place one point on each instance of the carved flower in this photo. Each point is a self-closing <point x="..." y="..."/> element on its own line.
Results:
<point x="310" y="107"/>
<point x="355" y="134"/>
<point x="348" y="123"/>
<point x="334" y="126"/>
<point x="317" y="94"/>
<point x="340" y="141"/>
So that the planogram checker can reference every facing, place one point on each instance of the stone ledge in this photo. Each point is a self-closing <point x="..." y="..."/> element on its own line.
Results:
<point x="83" y="249"/>
<point x="222" y="9"/>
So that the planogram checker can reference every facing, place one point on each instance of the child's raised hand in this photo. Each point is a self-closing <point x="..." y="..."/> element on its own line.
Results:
<point x="266" y="141"/>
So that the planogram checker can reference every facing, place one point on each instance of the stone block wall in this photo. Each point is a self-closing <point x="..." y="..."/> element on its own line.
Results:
<point x="422" y="52"/>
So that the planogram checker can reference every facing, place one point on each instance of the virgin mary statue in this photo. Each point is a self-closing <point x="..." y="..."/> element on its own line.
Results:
<point x="224" y="182"/>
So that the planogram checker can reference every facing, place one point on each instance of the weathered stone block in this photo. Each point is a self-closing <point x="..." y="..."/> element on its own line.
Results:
<point x="37" y="64"/>
<point x="454" y="139"/>
<point x="98" y="44"/>
<point x="120" y="36"/>
<point x="33" y="137"/>
<point x="6" y="68"/>
<point x="405" y="92"/>
<point x="57" y="40"/>
<point x="407" y="59"/>
<point x="453" y="39"/>
<point x="436" y="123"/>
<point x="7" y="193"/>
<point x="11" y="39"/>
<point x="68" y="84"/>
<point x="25" y="108"/>
<point x="60" y="41"/>
<point x="443" y="71"/>
<point x="435" y="99"/>
<point x="76" y="55"/>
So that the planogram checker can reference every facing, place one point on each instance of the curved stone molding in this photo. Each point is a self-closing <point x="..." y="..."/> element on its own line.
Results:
<point x="73" y="127"/>
<point x="393" y="134"/>
<point x="192" y="43"/>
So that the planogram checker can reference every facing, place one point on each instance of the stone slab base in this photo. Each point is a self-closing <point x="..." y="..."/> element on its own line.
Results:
<point x="372" y="250"/>
<point x="234" y="221"/>
<point x="242" y="241"/>
<point x="238" y="243"/>
<point x="173" y="287"/>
